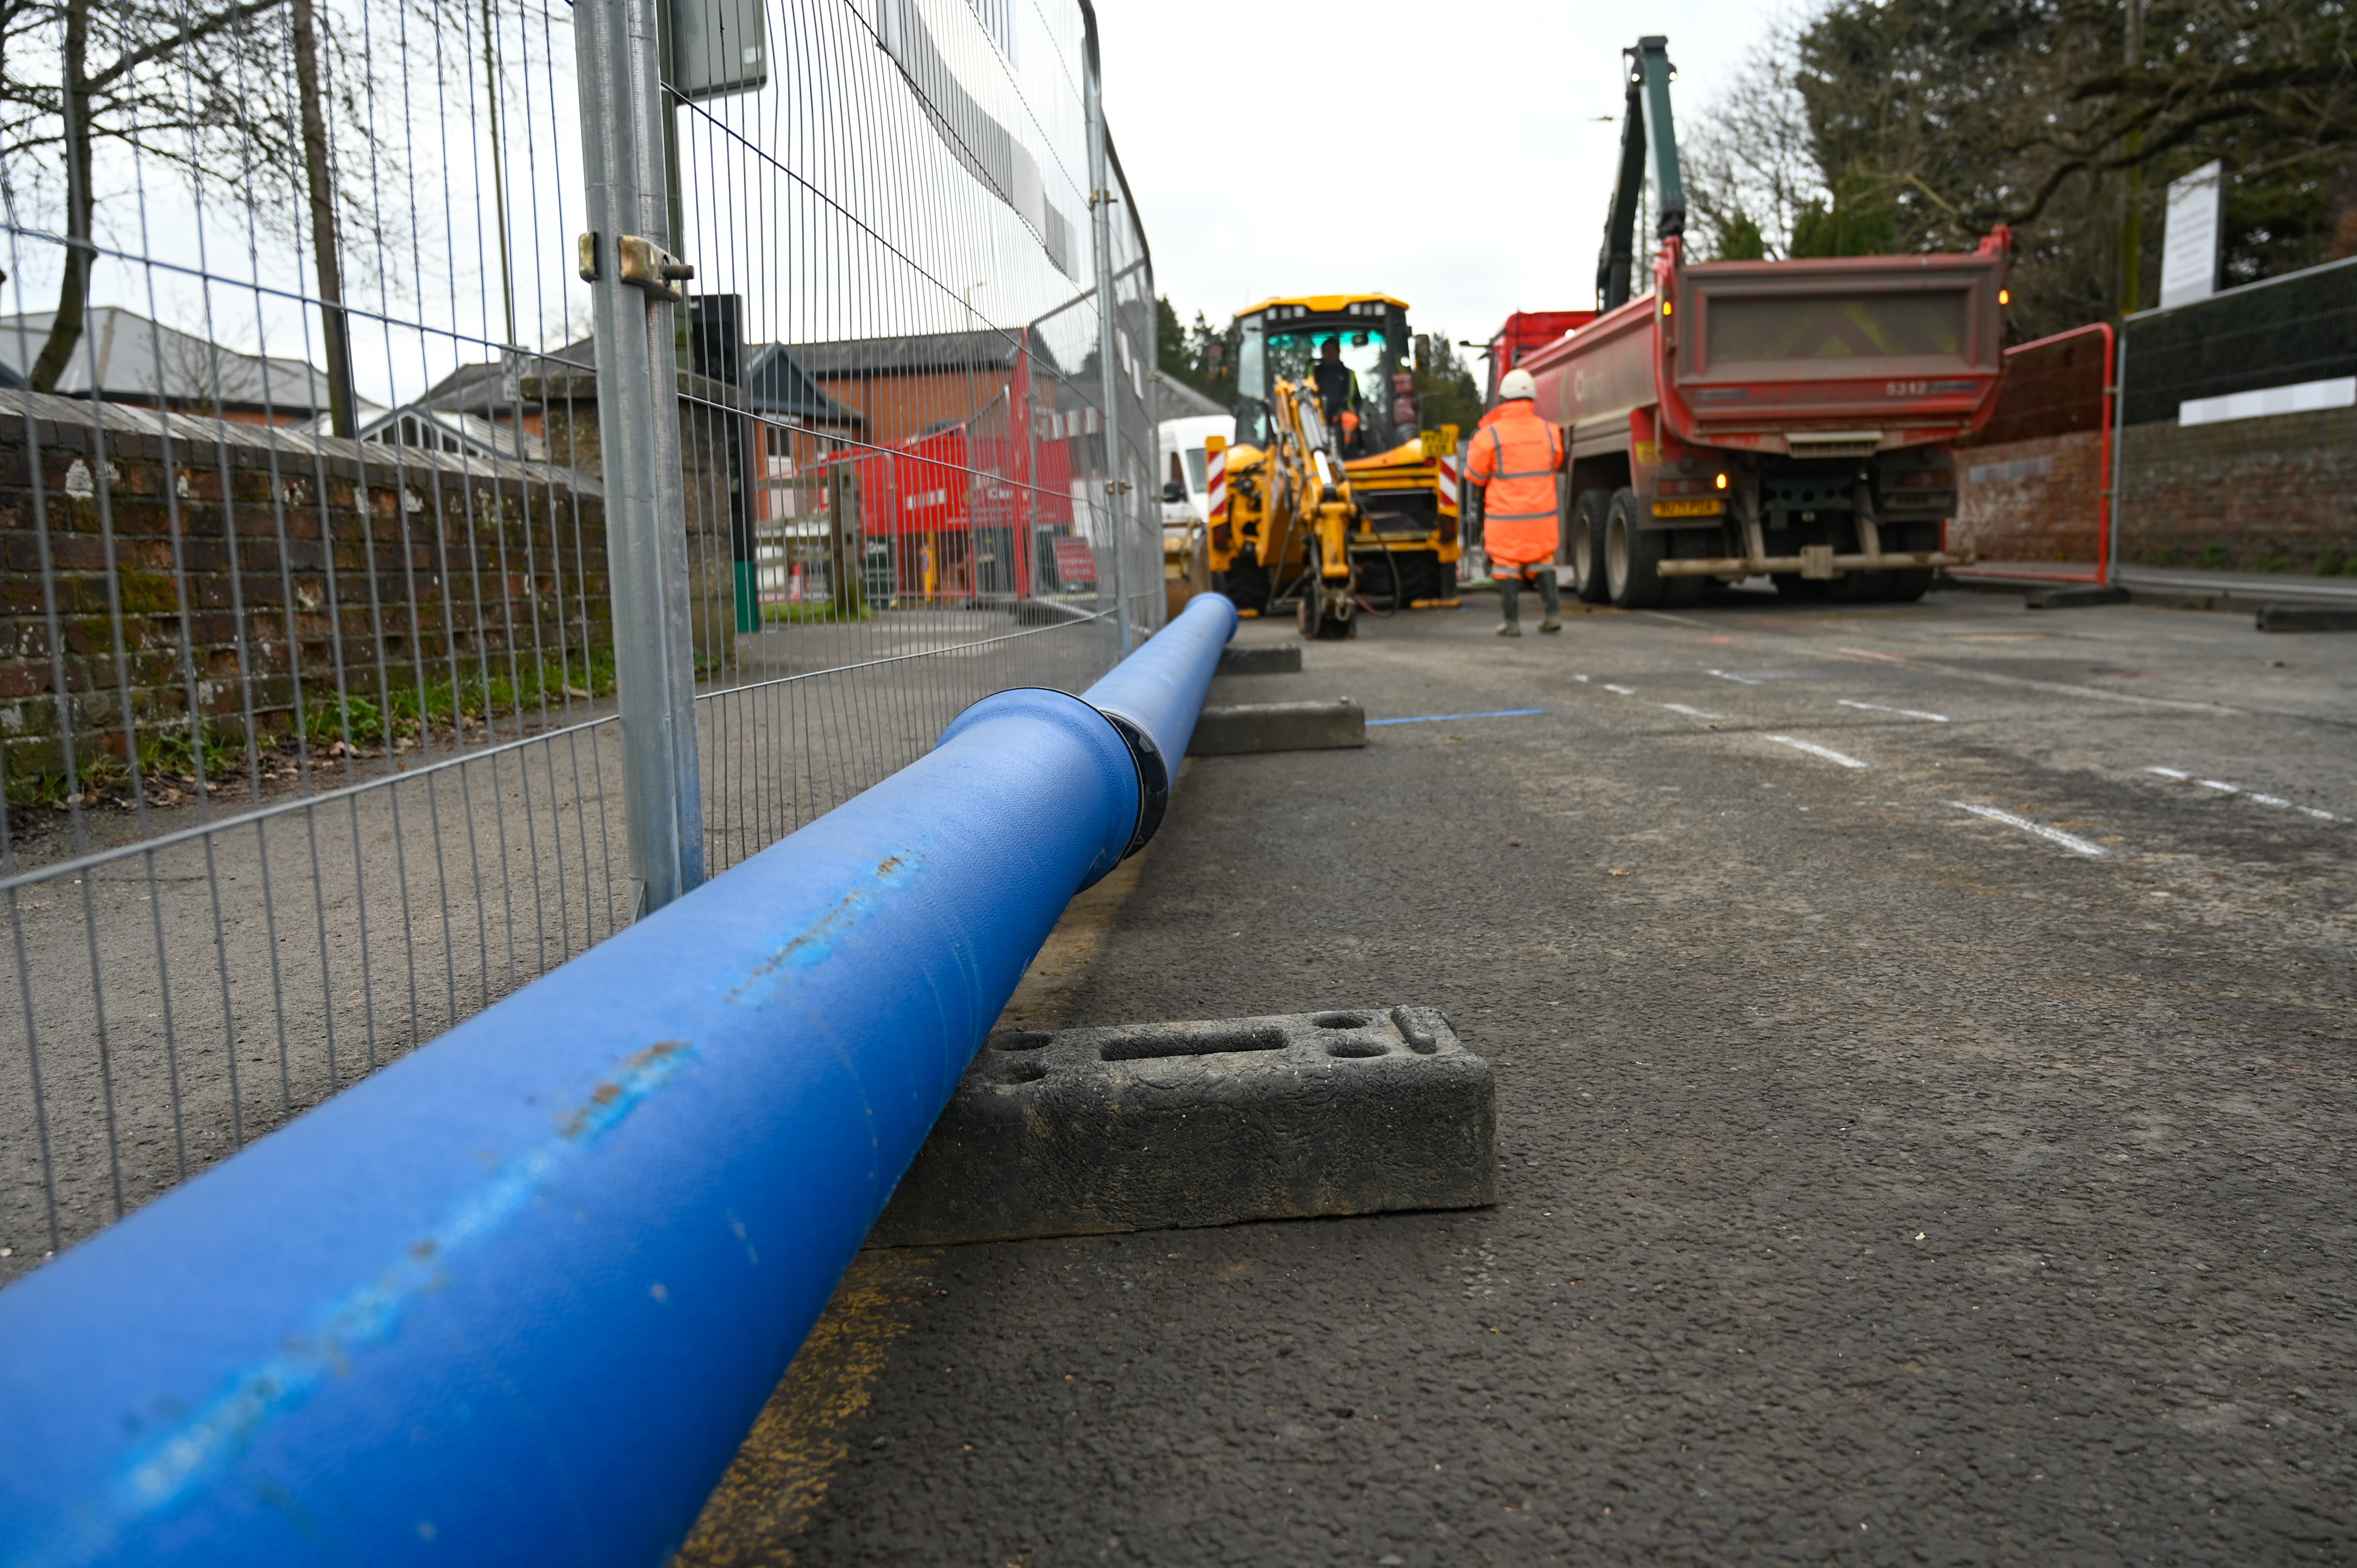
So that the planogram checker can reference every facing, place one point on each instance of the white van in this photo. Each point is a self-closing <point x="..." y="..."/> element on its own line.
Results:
<point x="1184" y="500"/>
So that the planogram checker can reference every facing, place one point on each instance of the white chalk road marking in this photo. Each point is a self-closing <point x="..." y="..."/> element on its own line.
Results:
<point x="1691" y="712"/>
<point x="2072" y="842"/>
<point x="1903" y="713"/>
<point x="1738" y="680"/>
<point x="1828" y="753"/>
<point x="1625" y="691"/>
<point x="2182" y="777"/>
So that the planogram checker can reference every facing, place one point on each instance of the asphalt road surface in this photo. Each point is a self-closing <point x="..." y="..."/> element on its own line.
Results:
<point x="1923" y="1040"/>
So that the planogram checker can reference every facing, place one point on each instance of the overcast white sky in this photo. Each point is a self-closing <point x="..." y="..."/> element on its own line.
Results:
<point x="1457" y="148"/>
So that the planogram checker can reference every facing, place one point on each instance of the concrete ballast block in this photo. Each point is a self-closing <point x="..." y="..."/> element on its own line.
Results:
<point x="1269" y="659"/>
<point x="1278" y="727"/>
<point x="1151" y="1126"/>
<point x="2308" y="617"/>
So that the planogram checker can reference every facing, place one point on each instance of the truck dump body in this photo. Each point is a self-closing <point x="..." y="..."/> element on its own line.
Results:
<point x="1838" y="357"/>
<point x="1794" y="419"/>
<point x="1525" y="332"/>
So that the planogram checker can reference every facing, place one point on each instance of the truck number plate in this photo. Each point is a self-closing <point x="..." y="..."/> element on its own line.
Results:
<point x="1710" y="507"/>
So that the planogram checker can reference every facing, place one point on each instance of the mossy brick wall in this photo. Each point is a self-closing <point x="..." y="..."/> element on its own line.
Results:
<point x="2273" y="494"/>
<point x="266" y="559"/>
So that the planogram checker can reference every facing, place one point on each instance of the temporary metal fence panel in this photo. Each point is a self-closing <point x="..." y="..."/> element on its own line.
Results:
<point x="894" y="412"/>
<point x="2034" y="497"/>
<point x="310" y="731"/>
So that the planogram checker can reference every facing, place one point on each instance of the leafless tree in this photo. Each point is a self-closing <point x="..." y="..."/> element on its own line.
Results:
<point x="1749" y="156"/>
<point x="274" y="107"/>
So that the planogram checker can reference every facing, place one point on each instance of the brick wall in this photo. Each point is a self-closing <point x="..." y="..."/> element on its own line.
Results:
<point x="2036" y="500"/>
<point x="708" y="469"/>
<point x="2279" y="493"/>
<point x="390" y="553"/>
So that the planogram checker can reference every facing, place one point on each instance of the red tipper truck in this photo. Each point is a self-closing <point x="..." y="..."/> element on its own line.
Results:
<point x="1794" y="418"/>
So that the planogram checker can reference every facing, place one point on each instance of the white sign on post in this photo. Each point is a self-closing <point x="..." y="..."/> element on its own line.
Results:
<point x="718" y="48"/>
<point x="2189" y="243"/>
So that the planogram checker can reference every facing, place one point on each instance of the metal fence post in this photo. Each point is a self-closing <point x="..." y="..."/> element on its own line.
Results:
<point x="1108" y="345"/>
<point x="2118" y="415"/>
<point x="625" y="256"/>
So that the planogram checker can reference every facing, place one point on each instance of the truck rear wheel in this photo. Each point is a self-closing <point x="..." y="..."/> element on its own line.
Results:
<point x="1632" y="556"/>
<point x="1793" y="586"/>
<point x="1908" y="585"/>
<point x="1589" y="516"/>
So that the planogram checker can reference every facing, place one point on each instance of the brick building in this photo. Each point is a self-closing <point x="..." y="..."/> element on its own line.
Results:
<point x="906" y="386"/>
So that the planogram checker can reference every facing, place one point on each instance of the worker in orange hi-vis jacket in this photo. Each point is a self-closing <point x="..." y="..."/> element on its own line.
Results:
<point x="1514" y="459"/>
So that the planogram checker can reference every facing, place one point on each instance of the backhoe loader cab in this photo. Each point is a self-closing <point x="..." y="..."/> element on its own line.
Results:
<point x="1286" y="340"/>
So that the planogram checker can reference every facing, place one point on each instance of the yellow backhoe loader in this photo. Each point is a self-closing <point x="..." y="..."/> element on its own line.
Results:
<point x="1287" y="513"/>
<point x="1326" y="378"/>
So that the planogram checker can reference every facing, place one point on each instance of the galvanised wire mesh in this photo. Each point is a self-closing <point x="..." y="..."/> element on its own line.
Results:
<point x="895" y="423"/>
<point x="308" y="719"/>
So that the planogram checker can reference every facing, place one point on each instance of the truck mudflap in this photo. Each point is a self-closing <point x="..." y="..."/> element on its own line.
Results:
<point x="1816" y="561"/>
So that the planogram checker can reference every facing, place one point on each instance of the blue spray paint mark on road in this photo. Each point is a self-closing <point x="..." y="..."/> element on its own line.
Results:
<point x="1444" y="718"/>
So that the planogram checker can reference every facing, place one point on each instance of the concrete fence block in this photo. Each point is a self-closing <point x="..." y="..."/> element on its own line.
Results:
<point x="1279" y="726"/>
<point x="1272" y="658"/>
<point x="1144" y="1127"/>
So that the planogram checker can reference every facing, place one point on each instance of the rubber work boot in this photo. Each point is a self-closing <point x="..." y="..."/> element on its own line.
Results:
<point x="1510" y="606"/>
<point x="1551" y="600"/>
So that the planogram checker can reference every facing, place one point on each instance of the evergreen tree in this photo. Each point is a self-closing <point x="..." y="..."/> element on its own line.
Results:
<point x="1445" y="387"/>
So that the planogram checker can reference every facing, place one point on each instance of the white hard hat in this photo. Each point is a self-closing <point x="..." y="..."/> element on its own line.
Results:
<point x="1518" y="383"/>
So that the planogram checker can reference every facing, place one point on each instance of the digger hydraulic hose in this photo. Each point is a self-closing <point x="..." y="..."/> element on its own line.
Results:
<point x="517" y="1298"/>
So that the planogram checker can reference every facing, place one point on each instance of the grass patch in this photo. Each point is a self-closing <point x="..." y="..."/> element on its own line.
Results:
<point x="805" y="612"/>
<point x="474" y="696"/>
<point x="175" y="751"/>
<point x="169" y="749"/>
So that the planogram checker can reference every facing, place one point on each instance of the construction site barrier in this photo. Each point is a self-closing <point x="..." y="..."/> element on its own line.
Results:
<point x="517" y="1298"/>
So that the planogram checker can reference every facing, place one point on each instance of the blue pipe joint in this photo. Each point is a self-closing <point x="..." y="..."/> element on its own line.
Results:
<point x="516" y="1298"/>
<point x="1114" y="754"/>
<point x="1153" y="697"/>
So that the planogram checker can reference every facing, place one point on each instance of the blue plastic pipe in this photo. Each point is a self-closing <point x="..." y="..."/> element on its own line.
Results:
<point x="517" y="1298"/>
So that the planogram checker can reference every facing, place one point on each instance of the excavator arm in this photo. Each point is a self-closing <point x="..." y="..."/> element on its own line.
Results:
<point x="1306" y="494"/>
<point x="1645" y="130"/>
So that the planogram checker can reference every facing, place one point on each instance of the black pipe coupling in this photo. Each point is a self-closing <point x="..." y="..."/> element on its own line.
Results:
<point x="1153" y="777"/>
